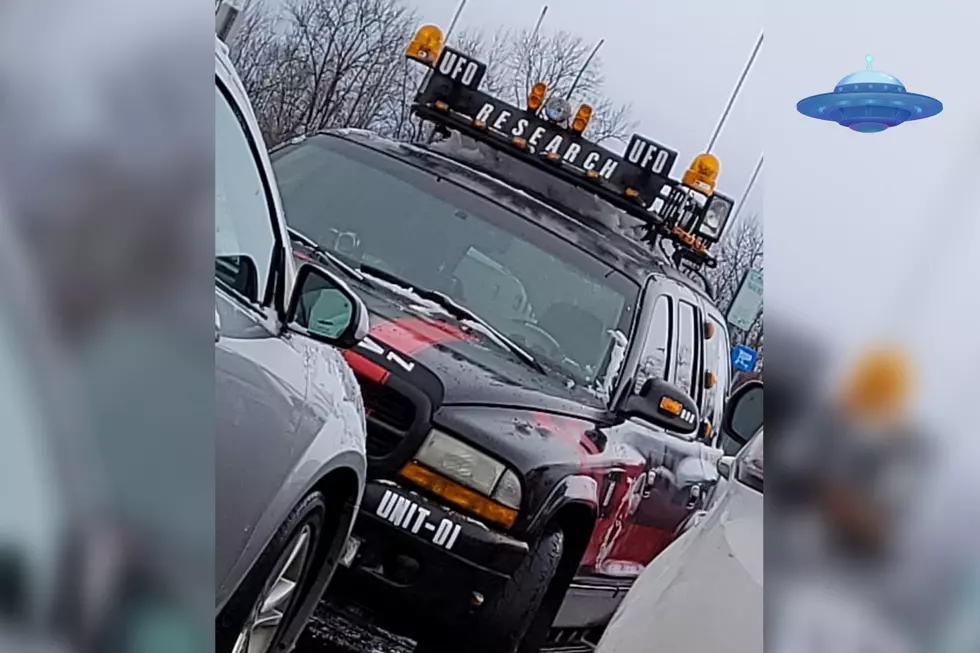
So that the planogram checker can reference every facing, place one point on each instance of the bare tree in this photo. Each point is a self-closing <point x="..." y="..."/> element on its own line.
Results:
<point x="324" y="63"/>
<point x="329" y="63"/>
<point x="516" y="60"/>
<point x="740" y="251"/>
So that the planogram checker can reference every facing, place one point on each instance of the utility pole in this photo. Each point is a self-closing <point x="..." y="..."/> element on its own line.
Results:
<point x="731" y="100"/>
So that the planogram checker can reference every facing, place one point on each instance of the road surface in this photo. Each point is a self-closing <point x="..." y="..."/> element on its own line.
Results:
<point x="331" y="632"/>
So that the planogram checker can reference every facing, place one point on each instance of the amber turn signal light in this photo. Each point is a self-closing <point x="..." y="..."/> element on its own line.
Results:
<point x="459" y="496"/>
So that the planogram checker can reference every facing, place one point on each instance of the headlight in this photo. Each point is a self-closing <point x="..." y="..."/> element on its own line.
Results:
<point x="715" y="218"/>
<point x="508" y="492"/>
<point x="460" y="462"/>
<point x="557" y="109"/>
<point x="466" y="478"/>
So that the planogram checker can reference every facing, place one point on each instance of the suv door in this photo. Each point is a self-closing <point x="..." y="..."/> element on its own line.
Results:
<point x="260" y="378"/>
<point x="672" y="349"/>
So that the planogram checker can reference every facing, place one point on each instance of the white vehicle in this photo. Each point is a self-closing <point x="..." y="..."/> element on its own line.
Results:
<point x="704" y="593"/>
<point x="290" y="461"/>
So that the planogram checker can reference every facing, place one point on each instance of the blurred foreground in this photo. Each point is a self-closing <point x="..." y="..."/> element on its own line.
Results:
<point x="106" y="457"/>
<point x="106" y="454"/>
<point x="870" y="518"/>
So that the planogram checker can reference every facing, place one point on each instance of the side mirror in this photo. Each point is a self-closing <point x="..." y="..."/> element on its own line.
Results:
<point x="725" y="465"/>
<point x="743" y="413"/>
<point x="665" y="405"/>
<point x="325" y="309"/>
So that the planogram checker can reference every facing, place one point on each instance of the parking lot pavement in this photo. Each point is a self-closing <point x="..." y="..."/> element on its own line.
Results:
<point x="332" y="632"/>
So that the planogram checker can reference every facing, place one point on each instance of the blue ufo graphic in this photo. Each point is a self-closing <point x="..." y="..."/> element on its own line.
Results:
<point x="869" y="101"/>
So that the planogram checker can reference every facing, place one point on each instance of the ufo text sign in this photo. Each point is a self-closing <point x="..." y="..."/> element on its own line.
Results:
<point x="869" y="101"/>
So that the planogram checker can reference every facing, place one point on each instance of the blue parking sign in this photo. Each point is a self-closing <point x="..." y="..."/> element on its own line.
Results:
<point x="744" y="358"/>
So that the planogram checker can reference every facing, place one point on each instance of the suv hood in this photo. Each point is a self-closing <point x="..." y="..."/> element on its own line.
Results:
<point x="408" y="332"/>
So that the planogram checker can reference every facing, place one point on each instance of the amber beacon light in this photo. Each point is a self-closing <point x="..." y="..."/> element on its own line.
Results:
<point x="426" y="46"/>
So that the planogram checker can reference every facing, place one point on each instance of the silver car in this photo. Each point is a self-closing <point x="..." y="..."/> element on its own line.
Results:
<point x="704" y="592"/>
<point x="290" y="428"/>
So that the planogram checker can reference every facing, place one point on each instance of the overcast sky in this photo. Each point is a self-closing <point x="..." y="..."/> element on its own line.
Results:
<point x="846" y="214"/>
<point x="849" y="217"/>
<point x="675" y="62"/>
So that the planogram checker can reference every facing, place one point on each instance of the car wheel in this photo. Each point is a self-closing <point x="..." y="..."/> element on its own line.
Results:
<point x="517" y="619"/>
<point x="263" y="607"/>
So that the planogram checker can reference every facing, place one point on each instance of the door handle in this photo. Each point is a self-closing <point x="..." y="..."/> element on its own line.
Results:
<point x="217" y="326"/>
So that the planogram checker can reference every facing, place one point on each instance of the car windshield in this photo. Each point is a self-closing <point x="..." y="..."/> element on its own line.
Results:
<point x="570" y="310"/>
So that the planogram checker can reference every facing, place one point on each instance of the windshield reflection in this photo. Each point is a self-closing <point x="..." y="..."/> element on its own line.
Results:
<point x="532" y="287"/>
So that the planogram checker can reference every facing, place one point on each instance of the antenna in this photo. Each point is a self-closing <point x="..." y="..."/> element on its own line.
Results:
<point x="745" y="194"/>
<point x="530" y="45"/>
<point x="869" y="59"/>
<point x="452" y="24"/>
<point x="581" y="72"/>
<point x="731" y="100"/>
<point x="537" y="25"/>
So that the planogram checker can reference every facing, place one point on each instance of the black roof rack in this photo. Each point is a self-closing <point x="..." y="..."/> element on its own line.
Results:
<point x="638" y="182"/>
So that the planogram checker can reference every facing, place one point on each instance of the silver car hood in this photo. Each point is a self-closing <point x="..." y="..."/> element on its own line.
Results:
<point x="704" y="592"/>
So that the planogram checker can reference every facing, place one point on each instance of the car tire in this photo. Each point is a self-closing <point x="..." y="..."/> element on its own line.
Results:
<point x="516" y="619"/>
<point x="285" y="562"/>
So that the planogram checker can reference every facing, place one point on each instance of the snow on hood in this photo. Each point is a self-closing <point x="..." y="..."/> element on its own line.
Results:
<point x="509" y="169"/>
<point x="416" y="303"/>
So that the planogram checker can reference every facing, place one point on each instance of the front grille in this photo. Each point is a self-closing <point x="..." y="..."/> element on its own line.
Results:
<point x="387" y="405"/>
<point x="390" y="415"/>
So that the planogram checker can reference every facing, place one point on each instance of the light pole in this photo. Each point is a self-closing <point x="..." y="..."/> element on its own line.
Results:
<point x="731" y="100"/>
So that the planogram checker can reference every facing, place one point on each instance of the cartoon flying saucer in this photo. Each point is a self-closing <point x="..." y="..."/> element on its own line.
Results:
<point x="869" y="101"/>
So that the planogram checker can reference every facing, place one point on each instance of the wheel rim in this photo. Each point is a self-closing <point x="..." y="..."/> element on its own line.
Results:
<point x="267" y="618"/>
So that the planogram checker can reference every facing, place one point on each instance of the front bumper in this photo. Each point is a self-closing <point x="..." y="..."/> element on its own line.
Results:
<point x="420" y="563"/>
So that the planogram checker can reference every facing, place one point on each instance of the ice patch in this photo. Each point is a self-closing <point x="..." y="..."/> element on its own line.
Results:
<point x="418" y="304"/>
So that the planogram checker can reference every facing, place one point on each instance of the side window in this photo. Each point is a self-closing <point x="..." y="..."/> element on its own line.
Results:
<point x="655" y="360"/>
<point x="244" y="239"/>
<point x="687" y="350"/>
<point x="717" y="362"/>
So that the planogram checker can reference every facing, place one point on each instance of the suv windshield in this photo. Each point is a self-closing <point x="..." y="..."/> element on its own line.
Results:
<point x="561" y="304"/>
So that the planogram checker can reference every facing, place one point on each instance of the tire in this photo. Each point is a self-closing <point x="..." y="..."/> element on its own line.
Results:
<point x="303" y="528"/>
<point x="517" y="619"/>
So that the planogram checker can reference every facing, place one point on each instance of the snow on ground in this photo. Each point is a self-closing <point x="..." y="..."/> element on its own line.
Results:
<point x="332" y="632"/>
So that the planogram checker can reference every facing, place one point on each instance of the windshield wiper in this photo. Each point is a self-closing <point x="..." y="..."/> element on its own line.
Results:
<point x="333" y="259"/>
<point x="446" y="302"/>
<point x="458" y="311"/>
